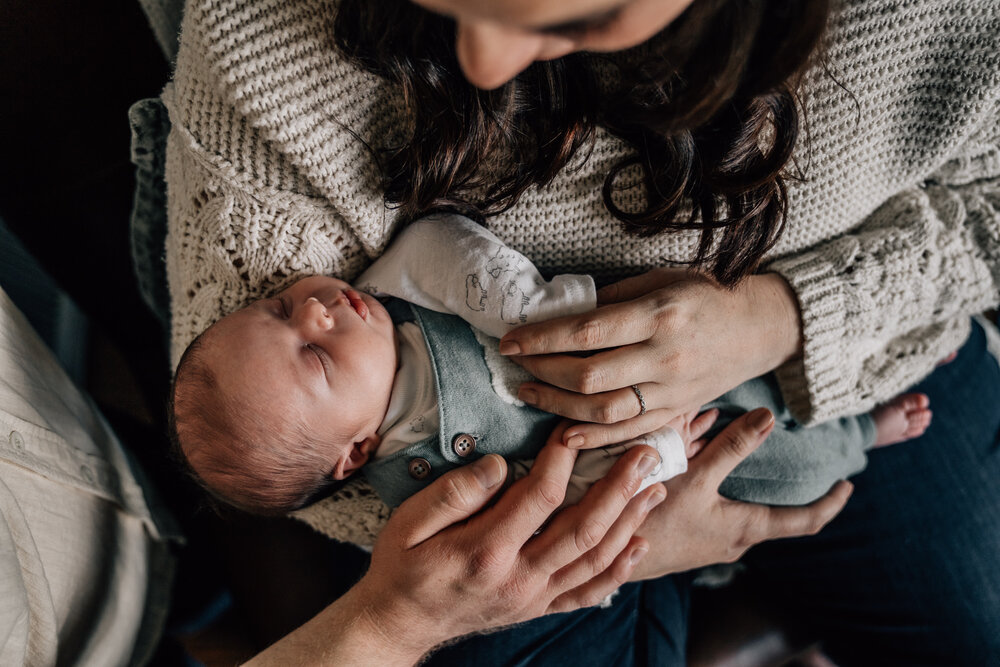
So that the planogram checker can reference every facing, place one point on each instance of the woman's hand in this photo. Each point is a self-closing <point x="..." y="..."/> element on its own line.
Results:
<point x="437" y="574"/>
<point x="675" y="334"/>
<point x="697" y="526"/>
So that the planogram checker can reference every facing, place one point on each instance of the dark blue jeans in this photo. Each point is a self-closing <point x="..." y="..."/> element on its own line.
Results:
<point x="908" y="574"/>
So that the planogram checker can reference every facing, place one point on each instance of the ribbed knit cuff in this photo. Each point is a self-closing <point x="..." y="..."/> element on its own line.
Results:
<point x="819" y="385"/>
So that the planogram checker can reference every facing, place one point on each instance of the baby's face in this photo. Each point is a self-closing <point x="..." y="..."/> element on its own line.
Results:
<point x="320" y="354"/>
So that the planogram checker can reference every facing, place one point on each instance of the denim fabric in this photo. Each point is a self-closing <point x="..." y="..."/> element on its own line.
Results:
<point x="645" y="625"/>
<point x="909" y="573"/>
<point x="467" y="403"/>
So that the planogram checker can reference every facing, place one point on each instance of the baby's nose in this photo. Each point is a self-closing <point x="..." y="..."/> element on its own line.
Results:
<point x="316" y="314"/>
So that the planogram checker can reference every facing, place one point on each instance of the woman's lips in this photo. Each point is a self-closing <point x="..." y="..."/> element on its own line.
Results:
<point x="357" y="303"/>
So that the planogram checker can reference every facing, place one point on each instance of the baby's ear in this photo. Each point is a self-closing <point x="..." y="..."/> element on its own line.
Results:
<point x="356" y="457"/>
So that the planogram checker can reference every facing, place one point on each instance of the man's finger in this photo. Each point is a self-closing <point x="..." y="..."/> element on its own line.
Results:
<point x="580" y="528"/>
<point x="732" y="445"/>
<point x="806" y="520"/>
<point x="454" y="497"/>
<point x="530" y="501"/>
<point x="604" y="584"/>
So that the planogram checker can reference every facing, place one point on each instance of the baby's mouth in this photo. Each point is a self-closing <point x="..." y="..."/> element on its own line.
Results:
<point x="357" y="303"/>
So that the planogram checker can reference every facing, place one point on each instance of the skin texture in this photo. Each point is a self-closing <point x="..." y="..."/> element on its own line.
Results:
<point x="311" y="355"/>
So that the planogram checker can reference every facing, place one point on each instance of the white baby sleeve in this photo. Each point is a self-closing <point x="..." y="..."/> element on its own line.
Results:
<point x="450" y="264"/>
<point x="593" y="464"/>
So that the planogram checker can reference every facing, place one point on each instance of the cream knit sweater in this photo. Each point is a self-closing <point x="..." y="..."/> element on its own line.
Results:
<point x="891" y="243"/>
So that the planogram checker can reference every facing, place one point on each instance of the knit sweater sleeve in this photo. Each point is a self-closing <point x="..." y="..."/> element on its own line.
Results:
<point x="883" y="304"/>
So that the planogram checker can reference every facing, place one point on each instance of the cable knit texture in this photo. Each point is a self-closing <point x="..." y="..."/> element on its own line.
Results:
<point x="892" y="240"/>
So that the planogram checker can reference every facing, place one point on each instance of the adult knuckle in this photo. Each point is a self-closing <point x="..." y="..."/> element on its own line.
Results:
<point x="483" y="564"/>
<point x="674" y="363"/>
<point x="455" y="495"/>
<point x="737" y="444"/>
<point x="600" y="561"/>
<point x="588" y="534"/>
<point x="549" y="494"/>
<point x="589" y="333"/>
<point x="590" y="378"/>
<point x="605" y="412"/>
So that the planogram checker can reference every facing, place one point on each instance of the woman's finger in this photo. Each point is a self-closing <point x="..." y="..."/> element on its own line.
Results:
<point x="591" y="435"/>
<point x="606" y="407"/>
<point x="641" y="285"/>
<point x="778" y="522"/>
<point x="453" y="498"/>
<point x="732" y="445"/>
<point x="608" y="326"/>
<point x="603" y="585"/>
<point x="617" y="368"/>
<point x="580" y="528"/>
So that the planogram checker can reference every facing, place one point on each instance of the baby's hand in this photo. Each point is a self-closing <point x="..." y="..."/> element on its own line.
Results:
<point x="691" y="427"/>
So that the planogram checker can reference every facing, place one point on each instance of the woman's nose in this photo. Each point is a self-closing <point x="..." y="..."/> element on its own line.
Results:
<point x="313" y="315"/>
<point x="492" y="54"/>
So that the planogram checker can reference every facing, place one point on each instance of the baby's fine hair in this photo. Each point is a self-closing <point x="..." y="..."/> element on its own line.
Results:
<point x="263" y="468"/>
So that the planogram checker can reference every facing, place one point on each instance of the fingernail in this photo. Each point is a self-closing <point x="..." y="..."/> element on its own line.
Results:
<point x="647" y="464"/>
<point x="656" y="498"/>
<point x="637" y="555"/>
<point x="489" y="471"/>
<point x="529" y="396"/>
<point x="509" y="347"/>
<point x="760" y="419"/>
<point x="575" y="441"/>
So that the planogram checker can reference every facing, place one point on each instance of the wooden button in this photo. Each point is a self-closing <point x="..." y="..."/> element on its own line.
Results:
<point x="419" y="468"/>
<point x="463" y="444"/>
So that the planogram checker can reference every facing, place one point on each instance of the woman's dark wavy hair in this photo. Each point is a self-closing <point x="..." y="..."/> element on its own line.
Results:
<point x="708" y="105"/>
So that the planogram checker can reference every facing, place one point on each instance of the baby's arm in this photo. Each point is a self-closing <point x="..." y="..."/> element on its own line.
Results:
<point x="450" y="264"/>
<point x="675" y="442"/>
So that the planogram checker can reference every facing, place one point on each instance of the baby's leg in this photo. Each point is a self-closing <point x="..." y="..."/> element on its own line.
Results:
<point x="903" y="418"/>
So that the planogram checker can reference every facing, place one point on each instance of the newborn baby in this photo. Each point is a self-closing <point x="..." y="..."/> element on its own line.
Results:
<point x="276" y="401"/>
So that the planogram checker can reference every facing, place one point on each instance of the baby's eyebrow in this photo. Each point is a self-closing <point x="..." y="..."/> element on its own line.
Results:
<point x="268" y="305"/>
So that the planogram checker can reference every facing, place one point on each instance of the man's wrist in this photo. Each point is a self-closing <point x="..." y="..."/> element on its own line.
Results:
<point x="392" y="635"/>
<point x="354" y="630"/>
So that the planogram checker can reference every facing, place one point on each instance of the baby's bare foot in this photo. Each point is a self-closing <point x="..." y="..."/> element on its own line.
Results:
<point x="902" y="418"/>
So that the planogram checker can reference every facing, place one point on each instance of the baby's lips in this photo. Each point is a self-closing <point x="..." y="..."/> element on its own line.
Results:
<point x="357" y="303"/>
